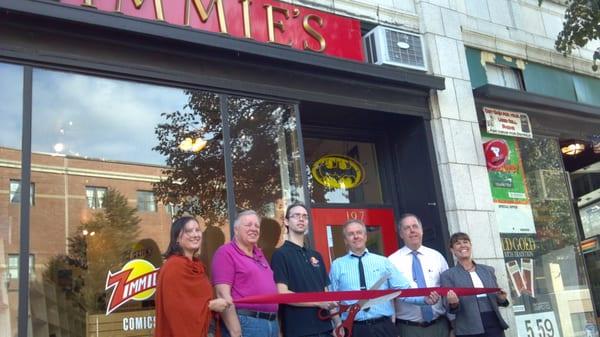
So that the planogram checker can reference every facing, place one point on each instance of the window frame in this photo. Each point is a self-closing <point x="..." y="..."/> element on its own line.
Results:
<point x="503" y="69"/>
<point x="97" y="202"/>
<point x="14" y="196"/>
<point x="146" y="202"/>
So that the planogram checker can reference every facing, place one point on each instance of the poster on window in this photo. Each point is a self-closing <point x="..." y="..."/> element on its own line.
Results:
<point x="507" y="182"/>
<point x="523" y="263"/>
<point x="505" y="170"/>
<point x="514" y="218"/>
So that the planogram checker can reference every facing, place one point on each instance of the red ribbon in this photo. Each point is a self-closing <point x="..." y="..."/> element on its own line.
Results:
<point x="336" y="296"/>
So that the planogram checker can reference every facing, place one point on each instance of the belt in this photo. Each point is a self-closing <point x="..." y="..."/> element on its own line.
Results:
<point x="419" y="324"/>
<point x="372" y="321"/>
<point x="270" y="316"/>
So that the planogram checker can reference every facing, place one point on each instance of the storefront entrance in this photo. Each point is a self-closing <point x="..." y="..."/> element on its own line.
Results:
<point x="361" y="165"/>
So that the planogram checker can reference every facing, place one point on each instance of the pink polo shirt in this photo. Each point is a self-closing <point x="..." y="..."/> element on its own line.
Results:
<point x="246" y="275"/>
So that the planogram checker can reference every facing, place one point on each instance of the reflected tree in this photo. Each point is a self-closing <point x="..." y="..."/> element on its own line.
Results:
<point x="548" y="192"/>
<point x="260" y="139"/>
<point x="194" y="180"/>
<point x="99" y="245"/>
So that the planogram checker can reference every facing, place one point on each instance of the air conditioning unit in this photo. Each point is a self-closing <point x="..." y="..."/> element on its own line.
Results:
<point x="385" y="45"/>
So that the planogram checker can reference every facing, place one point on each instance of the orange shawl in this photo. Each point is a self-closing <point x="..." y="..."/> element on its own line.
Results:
<point x="182" y="295"/>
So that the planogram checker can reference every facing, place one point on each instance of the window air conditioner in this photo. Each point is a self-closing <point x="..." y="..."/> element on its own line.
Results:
<point x="384" y="45"/>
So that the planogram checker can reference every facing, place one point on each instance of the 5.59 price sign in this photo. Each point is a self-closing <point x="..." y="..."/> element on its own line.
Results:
<point x="542" y="324"/>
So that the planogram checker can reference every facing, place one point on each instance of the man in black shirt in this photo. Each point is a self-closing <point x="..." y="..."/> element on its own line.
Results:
<point x="300" y="269"/>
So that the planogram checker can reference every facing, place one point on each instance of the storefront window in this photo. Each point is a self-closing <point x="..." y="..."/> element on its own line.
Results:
<point x="11" y="117"/>
<point x="113" y="163"/>
<point x="108" y="157"/>
<point x="342" y="172"/>
<point x="537" y="226"/>
<point x="266" y="162"/>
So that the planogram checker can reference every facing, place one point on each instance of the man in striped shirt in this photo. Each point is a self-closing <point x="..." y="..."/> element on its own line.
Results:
<point x="360" y="270"/>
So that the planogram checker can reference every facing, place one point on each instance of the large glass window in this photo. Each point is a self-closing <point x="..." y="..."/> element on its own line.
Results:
<point x="537" y="226"/>
<point x="11" y="96"/>
<point x="108" y="157"/>
<point x="115" y="161"/>
<point x="266" y="162"/>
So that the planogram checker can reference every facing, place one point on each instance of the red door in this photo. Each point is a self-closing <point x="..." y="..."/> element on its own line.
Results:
<point x="329" y="239"/>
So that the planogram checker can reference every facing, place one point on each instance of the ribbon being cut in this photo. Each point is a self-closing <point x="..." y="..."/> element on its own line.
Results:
<point x="365" y="298"/>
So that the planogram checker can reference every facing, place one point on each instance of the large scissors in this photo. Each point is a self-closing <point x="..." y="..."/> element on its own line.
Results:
<point x="345" y="329"/>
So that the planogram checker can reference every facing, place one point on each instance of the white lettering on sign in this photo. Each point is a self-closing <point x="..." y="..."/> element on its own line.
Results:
<point x="138" y="323"/>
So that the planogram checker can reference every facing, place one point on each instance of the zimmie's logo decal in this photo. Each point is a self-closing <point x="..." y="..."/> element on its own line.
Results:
<point x="135" y="281"/>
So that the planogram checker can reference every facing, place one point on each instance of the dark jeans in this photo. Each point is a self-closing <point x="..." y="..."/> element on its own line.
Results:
<point x="256" y="327"/>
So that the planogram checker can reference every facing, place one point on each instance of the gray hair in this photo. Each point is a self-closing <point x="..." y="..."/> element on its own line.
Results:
<point x="408" y="215"/>
<point x="354" y="221"/>
<point x="241" y="214"/>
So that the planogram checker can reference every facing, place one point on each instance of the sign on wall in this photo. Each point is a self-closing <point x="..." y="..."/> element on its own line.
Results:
<point x="266" y="21"/>
<point x="507" y="123"/>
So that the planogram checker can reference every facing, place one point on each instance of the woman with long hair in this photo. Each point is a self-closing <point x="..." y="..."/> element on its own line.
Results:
<point x="184" y="295"/>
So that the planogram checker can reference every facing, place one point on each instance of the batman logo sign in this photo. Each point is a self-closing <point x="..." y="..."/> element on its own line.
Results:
<point x="337" y="171"/>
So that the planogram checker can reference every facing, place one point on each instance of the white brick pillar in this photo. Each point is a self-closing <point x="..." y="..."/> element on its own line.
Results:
<point x="457" y="139"/>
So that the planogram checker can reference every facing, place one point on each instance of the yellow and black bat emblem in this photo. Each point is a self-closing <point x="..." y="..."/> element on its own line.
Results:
<point x="337" y="171"/>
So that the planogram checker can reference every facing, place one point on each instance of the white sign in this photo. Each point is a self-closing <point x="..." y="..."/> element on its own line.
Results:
<point x="542" y="324"/>
<point x="508" y="123"/>
<point x="514" y="218"/>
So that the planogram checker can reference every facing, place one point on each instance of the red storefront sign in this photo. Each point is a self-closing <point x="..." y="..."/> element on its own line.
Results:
<point x="260" y="20"/>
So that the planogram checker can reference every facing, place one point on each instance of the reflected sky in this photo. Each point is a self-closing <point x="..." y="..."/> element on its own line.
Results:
<point x="99" y="118"/>
<point x="11" y="96"/>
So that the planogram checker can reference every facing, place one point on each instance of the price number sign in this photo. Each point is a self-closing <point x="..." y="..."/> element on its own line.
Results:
<point x="542" y="324"/>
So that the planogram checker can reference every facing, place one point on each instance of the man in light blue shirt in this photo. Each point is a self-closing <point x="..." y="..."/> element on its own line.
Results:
<point x="360" y="270"/>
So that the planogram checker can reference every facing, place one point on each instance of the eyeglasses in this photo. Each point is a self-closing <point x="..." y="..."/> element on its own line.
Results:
<point x="298" y="216"/>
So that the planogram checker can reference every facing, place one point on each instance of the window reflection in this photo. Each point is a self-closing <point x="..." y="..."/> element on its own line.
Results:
<point x="266" y="162"/>
<point x="112" y="165"/>
<point x="11" y="96"/>
<point x="555" y="267"/>
<point x="113" y="162"/>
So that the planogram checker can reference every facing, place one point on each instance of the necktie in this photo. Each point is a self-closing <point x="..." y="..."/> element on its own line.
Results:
<point x="361" y="274"/>
<point x="419" y="278"/>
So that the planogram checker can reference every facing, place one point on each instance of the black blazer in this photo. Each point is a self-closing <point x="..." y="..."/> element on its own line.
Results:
<point x="468" y="318"/>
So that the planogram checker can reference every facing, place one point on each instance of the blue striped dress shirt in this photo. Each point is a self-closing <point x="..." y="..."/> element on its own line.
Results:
<point x="344" y="276"/>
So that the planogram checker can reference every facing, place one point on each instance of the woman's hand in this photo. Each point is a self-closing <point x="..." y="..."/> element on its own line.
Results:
<point x="502" y="296"/>
<point x="452" y="298"/>
<point x="219" y="304"/>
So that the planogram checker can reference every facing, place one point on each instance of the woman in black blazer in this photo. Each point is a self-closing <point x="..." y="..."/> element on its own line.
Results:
<point x="475" y="316"/>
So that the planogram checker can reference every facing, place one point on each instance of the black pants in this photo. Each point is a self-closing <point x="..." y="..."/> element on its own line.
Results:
<point x="491" y="326"/>
<point x="381" y="328"/>
<point x="322" y="334"/>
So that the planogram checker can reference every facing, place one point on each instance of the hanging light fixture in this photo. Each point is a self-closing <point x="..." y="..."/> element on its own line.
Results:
<point x="573" y="148"/>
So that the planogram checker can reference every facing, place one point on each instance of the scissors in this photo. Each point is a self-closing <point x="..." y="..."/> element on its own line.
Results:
<point x="345" y="329"/>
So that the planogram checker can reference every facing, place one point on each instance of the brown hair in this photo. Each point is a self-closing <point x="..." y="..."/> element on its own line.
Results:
<point x="458" y="236"/>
